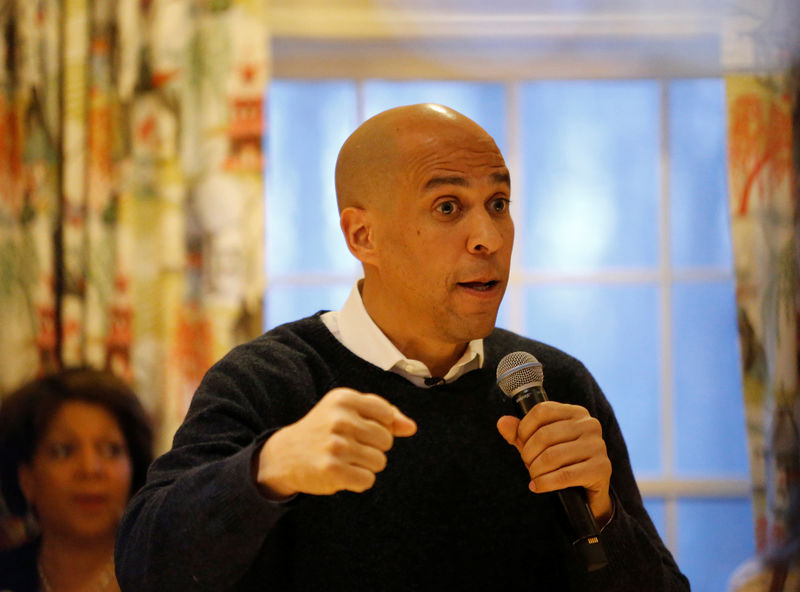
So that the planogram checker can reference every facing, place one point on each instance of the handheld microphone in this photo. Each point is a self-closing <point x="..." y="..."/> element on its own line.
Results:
<point x="520" y="377"/>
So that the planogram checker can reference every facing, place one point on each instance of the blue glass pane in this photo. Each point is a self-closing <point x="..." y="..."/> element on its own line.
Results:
<point x="308" y="123"/>
<point x="289" y="303"/>
<point x="613" y="330"/>
<point x="714" y="537"/>
<point x="700" y="222"/>
<point x="709" y="408"/>
<point x="482" y="102"/>
<point x="656" y="507"/>
<point x="504" y="313"/>
<point x="591" y="155"/>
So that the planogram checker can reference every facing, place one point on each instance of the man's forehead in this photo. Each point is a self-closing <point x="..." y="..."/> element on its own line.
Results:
<point x="444" y="133"/>
<point x="411" y="146"/>
<point x="449" y="146"/>
<point x="498" y="177"/>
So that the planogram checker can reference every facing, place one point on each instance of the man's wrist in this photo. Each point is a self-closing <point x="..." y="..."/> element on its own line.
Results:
<point x="269" y="486"/>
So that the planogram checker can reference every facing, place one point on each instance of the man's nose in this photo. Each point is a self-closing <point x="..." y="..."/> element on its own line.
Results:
<point x="485" y="236"/>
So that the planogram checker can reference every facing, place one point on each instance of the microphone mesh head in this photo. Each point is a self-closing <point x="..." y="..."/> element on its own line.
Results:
<point x="518" y="370"/>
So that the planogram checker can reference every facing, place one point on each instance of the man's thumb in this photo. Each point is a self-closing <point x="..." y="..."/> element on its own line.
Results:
<point x="402" y="425"/>
<point x="507" y="426"/>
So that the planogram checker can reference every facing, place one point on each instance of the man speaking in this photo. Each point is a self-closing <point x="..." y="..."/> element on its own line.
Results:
<point x="370" y="448"/>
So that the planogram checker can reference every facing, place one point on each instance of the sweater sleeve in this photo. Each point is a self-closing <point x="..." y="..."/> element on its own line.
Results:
<point x="637" y="558"/>
<point x="200" y="520"/>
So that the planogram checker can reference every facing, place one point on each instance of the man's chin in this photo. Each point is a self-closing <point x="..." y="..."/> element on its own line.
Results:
<point x="476" y="327"/>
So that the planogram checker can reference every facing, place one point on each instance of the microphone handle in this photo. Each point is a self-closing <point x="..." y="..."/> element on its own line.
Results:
<point x="573" y="500"/>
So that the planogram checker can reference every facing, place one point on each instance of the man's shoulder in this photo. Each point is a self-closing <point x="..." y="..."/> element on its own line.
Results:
<point x="565" y="377"/>
<point x="289" y="339"/>
<point x="287" y="351"/>
<point x="293" y="362"/>
<point x="502" y="342"/>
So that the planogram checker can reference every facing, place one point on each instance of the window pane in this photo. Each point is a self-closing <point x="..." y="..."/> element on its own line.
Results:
<point x="709" y="408"/>
<point x="714" y="537"/>
<point x="308" y="123"/>
<point x="614" y="331"/>
<point x="698" y="190"/>
<point x="482" y="102"/>
<point x="504" y="313"/>
<point x="591" y="154"/>
<point x="656" y="507"/>
<point x="289" y="303"/>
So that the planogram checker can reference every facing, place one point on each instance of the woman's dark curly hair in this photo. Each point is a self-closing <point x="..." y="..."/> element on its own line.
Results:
<point x="26" y="413"/>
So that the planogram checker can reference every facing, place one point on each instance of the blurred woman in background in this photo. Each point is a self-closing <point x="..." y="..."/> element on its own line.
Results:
<point x="74" y="447"/>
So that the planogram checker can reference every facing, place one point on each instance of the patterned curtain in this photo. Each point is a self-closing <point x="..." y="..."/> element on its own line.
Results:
<point x="763" y="161"/>
<point x="131" y="189"/>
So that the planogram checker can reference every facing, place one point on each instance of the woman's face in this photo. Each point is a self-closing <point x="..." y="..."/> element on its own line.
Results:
<point x="79" y="478"/>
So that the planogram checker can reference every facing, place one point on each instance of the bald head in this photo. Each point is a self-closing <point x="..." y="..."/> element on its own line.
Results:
<point x="424" y="198"/>
<point x="376" y="155"/>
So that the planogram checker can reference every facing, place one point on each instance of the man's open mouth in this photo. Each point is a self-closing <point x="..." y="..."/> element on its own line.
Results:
<point x="480" y="286"/>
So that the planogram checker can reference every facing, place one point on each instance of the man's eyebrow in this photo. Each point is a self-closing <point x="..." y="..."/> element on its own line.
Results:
<point x="439" y="181"/>
<point x="502" y="178"/>
<point x="435" y="182"/>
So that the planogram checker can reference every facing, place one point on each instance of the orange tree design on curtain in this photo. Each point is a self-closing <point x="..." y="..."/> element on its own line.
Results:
<point x="764" y="216"/>
<point x="761" y="145"/>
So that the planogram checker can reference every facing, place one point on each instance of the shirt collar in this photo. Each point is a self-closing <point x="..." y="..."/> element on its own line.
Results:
<point x="356" y="330"/>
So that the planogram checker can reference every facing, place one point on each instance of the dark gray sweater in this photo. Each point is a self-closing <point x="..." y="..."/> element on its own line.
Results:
<point x="451" y="511"/>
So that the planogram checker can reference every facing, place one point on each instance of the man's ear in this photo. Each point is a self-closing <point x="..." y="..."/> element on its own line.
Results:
<point x="356" y="225"/>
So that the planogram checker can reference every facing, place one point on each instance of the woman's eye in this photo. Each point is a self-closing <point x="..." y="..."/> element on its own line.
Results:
<point x="447" y="208"/>
<point x="111" y="449"/>
<point x="60" y="450"/>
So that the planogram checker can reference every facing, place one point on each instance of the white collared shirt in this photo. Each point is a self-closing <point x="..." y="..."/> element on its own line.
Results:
<point x="356" y="330"/>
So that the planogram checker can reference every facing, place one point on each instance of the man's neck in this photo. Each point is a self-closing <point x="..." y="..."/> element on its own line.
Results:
<point x="438" y="356"/>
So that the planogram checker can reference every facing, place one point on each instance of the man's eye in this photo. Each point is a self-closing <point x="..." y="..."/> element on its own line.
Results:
<point x="500" y="205"/>
<point x="448" y="208"/>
